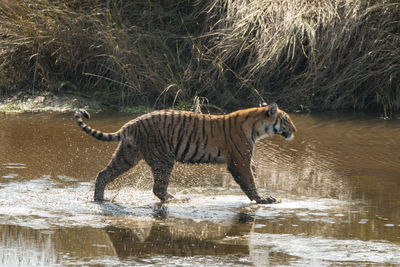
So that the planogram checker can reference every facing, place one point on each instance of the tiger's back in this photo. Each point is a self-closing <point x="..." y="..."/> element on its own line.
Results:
<point x="163" y="137"/>
<point x="186" y="136"/>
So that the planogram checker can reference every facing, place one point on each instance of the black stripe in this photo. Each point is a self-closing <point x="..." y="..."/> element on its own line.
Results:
<point x="173" y="116"/>
<point x="273" y="126"/>
<point x="147" y="148"/>
<point x="205" y="144"/>
<point x="126" y="161"/>
<point x="237" y="149"/>
<point x="123" y="156"/>
<point x="201" y="158"/>
<point x="252" y="127"/>
<point x="165" y="119"/>
<point x="173" y="126"/>
<point x="195" y="127"/>
<point x="253" y="132"/>
<point x="212" y="128"/>
<point x="155" y="157"/>
<point x="180" y="136"/>
<point x="168" y="135"/>
<point x="241" y="128"/>
<point x="163" y="144"/>
<point x="235" y="118"/>
<point x="159" y="147"/>
<point x="196" y="150"/>
<point x="157" y="122"/>
<point x="100" y="135"/>
<point x="135" y="133"/>
<point x="148" y="122"/>
<point x="186" y="150"/>
<point x="144" y="127"/>
<point x="188" y="143"/>
<point x="204" y="126"/>
<point x="234" y="143"/>
<point x="223" y="127"/>
<point x="168" y="129"/>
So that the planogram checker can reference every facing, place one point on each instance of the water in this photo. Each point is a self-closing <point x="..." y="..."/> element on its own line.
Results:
<point x="339" y="181"/>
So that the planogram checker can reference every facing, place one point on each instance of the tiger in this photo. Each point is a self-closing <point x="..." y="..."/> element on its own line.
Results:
<point x="164" y="137"/>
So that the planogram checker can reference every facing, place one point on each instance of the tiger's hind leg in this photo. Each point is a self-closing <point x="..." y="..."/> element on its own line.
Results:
<point x="125" y="157"/>
<point x="162" y="172"/>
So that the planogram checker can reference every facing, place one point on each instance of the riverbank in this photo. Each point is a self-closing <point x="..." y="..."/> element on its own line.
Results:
<point x="324" y="55"/>
<point x="48" y="102"/>
<point x="44" y="102"/>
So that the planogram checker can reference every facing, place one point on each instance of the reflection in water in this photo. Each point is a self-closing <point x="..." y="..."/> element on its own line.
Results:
<point x="28" y="247"/>
<point x="318" y="251"/>
<point x="176" y="238"/>
<point x="339" y="181"/>
<point x="22" y="246"/>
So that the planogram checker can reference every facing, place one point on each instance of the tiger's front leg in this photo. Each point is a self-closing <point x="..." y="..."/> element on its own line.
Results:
<point x="161" y="173"/>
<point x="243" y="175"/>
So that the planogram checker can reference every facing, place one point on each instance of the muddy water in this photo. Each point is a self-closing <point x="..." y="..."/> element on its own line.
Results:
<point x="339" y="181"/>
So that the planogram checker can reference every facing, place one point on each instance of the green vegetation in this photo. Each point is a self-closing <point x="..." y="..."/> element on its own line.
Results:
<point x="184" y="53"/>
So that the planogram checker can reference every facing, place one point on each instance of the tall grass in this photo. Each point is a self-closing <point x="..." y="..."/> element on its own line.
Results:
<point x="122" y="52"/>
<point x="322" y="54"/>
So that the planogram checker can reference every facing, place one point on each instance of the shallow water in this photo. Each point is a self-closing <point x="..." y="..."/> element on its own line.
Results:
<point x="339" y="181"/>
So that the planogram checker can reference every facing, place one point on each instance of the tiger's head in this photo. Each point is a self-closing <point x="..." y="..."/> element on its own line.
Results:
<point x="272" y="121"/>
<point x="282" y="124"/>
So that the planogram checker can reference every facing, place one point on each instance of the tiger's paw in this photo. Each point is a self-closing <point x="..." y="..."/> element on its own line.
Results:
<point x="176" y="200"/>
<point x="268" y="200"/>
<point x="98" y="198"/>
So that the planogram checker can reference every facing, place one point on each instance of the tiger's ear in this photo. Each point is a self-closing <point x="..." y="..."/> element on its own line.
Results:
<point x="272" y="109"/>
<point x="262" y="104"/>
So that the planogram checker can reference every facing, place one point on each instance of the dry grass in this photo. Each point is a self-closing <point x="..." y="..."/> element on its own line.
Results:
<point x="322" y="54"/>
<point x="90" y="48"/>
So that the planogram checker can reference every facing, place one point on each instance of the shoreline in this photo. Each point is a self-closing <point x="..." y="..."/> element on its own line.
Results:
<point x="45" y="102"/>
<point x="25" y="102"/>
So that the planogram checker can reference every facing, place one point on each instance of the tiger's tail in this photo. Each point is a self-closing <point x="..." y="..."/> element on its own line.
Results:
<point x="110" y="137"/>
